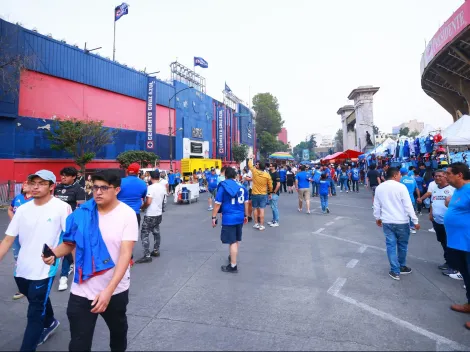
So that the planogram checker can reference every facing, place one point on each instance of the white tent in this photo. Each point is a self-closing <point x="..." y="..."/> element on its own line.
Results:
<point x="427" y="130"/>
<point x="458" y="133"/>
<point x="385" y="146"/>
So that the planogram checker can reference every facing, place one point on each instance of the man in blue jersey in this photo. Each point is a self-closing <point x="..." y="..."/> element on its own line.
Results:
<point x="133" y="189"/>
<point x="412" y="187"/>
<point x="316" y="181"/>
<point x="232" y="200"/>
<point x="355" y="176"/>
<point x="302" y="185"/>
<point x="212" y="182"/>
<point x="283" y="177"/>
<point x="177" y="177"/>
<point x="171" y="181"/>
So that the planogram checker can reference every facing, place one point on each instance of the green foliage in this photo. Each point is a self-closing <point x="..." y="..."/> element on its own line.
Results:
<point x="282" y="147"/>
<point x="299" y="149"/>
<point x="413" y="134"/>
<point x="141" y="157"/>
<point x="312" y="143"/>
<point x="268" y="117"/>
<point x="339" y="140"/>
<point x="82" y="139"/>
<point x="268" y="144"/>
<point x="405" y="131"/>
<point x="240" y="152"/>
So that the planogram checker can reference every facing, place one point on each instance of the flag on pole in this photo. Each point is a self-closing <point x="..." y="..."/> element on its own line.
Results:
<point x="120" y="11"/>
<point x="199" y="61"/>
<point x="227" y="88"/>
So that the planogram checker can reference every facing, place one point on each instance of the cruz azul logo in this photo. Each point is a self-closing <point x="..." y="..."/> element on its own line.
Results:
<point x="220" y="132"/>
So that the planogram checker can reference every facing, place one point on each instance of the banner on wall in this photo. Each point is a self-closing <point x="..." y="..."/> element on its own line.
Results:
<point x="305" y="154"/>
<point x="221" y="132"/>
<point x="150" y="113"/>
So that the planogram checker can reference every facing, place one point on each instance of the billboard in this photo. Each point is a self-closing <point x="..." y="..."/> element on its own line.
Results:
<point x="305" y="154"/>
<point x="150" y="113"/>
<point x="221" y="132"/>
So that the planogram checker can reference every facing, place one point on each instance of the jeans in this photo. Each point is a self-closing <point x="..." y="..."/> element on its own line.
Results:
<point x="15" y="248"/>
<point x="68" y="260"/>
<point x="355" y="186"/>
<point x="283" y="185"/>
<point x="333" y="187"/>
<point x="40" y="312"/>
<point x="315" y="189"/>
<point x="396" y="237"/>
<point x="324" y="201"/>
<point x="344" y="183"/>
<point x="274" y="207"/>
<point x="82" y="322"/>
<point x="460" y="261"/>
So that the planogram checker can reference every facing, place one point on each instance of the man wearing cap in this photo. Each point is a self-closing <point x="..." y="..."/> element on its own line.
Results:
<point x="153" y="208"/>
<point x="37" y="223"/>
<point x="133" y="189"/>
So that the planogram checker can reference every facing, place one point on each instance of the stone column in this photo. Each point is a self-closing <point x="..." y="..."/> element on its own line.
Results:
<point x="363" y="103"/>
<point x="345" y="112"/>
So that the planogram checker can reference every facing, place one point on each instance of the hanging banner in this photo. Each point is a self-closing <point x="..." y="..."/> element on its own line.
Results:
<point x="305" y="154"/>
<point x="150" y="113"/>
<point x="221" y="132"/>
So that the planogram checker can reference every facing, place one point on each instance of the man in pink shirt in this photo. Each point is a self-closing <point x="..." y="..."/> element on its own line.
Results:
<point x="103" y="287"/>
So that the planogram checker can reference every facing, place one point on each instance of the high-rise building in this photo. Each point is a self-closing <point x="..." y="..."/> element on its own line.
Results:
<point x="282" y="136"/>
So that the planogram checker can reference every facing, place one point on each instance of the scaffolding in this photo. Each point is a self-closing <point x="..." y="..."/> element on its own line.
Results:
<point x="187" y="76"/>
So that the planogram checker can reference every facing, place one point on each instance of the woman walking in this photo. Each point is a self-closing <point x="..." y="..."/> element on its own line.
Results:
<point x="290" y="180"/>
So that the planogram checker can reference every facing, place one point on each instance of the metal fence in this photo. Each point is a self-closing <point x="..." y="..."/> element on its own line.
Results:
<point x="8" y="190"/>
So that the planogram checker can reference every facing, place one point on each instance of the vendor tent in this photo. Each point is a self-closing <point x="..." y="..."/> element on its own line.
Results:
<point x="427" y="130"/>
<point x="347" y="154"/>
<point x="458" y="133"/>
<point x="281" y="156"/>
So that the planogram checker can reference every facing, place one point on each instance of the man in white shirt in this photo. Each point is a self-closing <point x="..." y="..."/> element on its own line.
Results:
<point x="153" y="207"/>
<point x="392" y="211"/>
<point x="102" y="277"/>
<point x="439" y="194"/>
<point x="37" y="223"/>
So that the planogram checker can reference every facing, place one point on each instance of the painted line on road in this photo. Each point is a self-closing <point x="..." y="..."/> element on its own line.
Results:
<point x="352" y="263"/>
<point x="319" y="230"/>
<point x="362" y="249"/>
<point x="329" y="223"/>
<point x="338" y="218"/>
<point x="370" y="246"/>
<point x="441" y="341"/>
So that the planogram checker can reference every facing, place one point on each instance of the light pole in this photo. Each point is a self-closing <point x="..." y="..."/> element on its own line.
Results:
<point x="169" y="124"/>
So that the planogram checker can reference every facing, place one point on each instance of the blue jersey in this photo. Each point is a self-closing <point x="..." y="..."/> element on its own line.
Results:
<point x="324" y="186"/>
<point x="232" y="197"/>
<point x="302" y="178"/>
<point x="212" y="181"/>
<point x="18" y="201"/>
<point x="171" y="179"/>
<point x="327" y="172"/>
<point x="355" y="174"/>
<point x="178" y="177"/>
<point x="206" y="174"/>
<point x="457" y="220"/>
<point x="419" y="182"/>
<point x="411" y="185"/>
<point x="316" y="176"/>
<point x="283" y="175"/>
<point x="133" y="190"/>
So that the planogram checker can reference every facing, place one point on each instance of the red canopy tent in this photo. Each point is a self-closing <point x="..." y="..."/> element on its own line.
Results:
<point x="347" y="154"/>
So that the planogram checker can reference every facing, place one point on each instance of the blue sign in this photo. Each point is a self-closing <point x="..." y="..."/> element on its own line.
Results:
<point x="150" y="113"/>
<point x="199" y="61"/>
<point x="305" y="154"/>
<point x="221" y="132"/>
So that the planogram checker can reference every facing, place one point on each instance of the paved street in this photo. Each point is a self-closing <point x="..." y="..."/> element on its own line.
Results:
<point x="318" y="282"/>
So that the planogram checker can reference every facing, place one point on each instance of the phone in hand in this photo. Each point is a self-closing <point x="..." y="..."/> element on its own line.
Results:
<point x="47" y="252"/>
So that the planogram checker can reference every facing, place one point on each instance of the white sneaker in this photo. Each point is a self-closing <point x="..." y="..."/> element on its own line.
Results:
<point x="270" y="223"/>
<point x="274" y="224"/>
<point x="261" y="228"/>
<point x="465" y="287"/>
<point x="63" y="284"/>
<point x="256" y="226"/>
<point x="413" y="231"/>
<point x="431" y="230"/>
<point x="71" y="269"/>
<point x="457" y="276"/>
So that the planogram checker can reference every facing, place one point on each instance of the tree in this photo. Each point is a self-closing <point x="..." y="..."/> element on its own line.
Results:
<point x="405" y="131"/>
<point x="413" y="134"/>
<point x="268" y="117"/>
<point x="141" y="157"/>
<point x="268" y="144"/>
<point x="339" y="140"/>
<point x="312" y="143"/>
<point x="282" y="147"/>
<point x="82" y="139"/>
<point x="240" y="152"/>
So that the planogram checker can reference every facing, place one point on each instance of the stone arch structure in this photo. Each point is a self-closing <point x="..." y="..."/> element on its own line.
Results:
<point x="358" y="119"/>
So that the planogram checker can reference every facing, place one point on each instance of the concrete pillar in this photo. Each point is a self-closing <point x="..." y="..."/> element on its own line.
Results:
<point x="348" y="135"/>
<point x="363" y="103"/>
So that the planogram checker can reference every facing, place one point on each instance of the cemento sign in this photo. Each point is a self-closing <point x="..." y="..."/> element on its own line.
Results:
<point x="446" y="34"/>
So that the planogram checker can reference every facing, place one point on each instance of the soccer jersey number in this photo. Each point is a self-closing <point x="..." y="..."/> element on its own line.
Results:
<point x="241" y="199"/>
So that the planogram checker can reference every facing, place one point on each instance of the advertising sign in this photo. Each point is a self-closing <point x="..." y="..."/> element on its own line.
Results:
<point x="305" y="154"/>
<point x="221" y="132"/>
<point x="150" y="113"/>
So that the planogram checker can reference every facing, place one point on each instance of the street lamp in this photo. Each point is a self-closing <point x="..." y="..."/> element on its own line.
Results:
<point x="169" y="124"/>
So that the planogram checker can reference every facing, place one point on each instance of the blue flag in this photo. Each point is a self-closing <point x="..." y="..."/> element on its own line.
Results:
<point x="120" y="11"/>
<point x="199" y="61"/>
<point x="227" y="88"/>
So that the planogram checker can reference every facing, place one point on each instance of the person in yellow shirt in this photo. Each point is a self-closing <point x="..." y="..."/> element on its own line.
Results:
<point x="261" y="191"/>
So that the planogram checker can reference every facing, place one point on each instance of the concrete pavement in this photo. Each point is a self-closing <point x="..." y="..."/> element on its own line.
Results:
<point x="318" y="282"/>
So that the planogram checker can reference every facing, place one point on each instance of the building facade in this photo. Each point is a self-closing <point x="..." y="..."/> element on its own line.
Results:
<point x="60" y="81"/>
<point x="412" y="125"/>
<point x="282" y="136"/>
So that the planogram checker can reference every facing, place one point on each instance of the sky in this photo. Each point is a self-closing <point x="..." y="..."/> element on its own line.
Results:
<point x="310" y="54"/>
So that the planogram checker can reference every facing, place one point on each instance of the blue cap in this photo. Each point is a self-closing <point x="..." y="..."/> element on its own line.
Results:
<point x="403" y="170"/>
<point x="46" y="175"/>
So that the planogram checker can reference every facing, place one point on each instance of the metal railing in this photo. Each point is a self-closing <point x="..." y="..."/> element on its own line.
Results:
<point x="8" y="190"/>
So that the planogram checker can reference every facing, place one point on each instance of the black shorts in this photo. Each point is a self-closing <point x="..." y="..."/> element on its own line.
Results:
<point x="290" y="183"/>
<point x="231" y="233"/>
